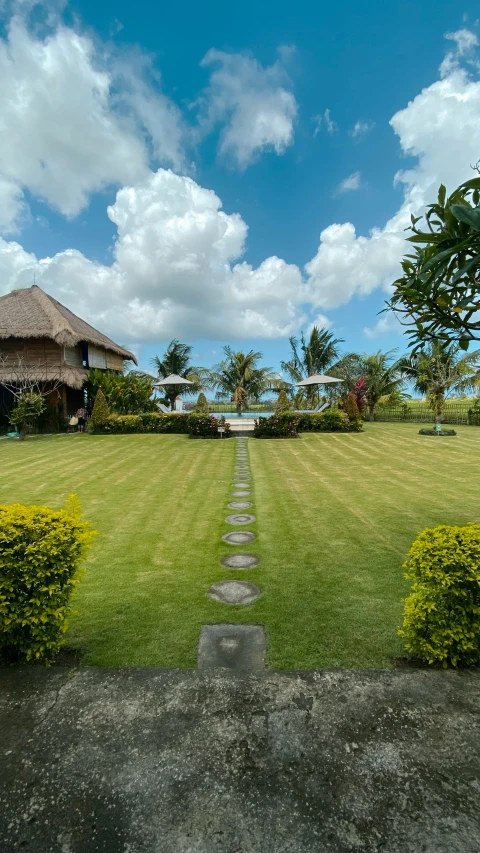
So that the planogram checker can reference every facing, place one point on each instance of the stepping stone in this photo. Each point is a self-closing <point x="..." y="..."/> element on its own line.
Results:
<point x="240" y="505"/>
<point x="240" y="561"/>
<point x="240" y="518"/>
<point x="241" y="469"/>
<point x="241" y="494"/>
<point x="237" y="647"/>
<point x="234" y="592"/>
<point x="239" y="537"/>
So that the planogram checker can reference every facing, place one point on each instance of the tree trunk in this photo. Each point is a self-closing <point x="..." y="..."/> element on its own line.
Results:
<point x="371" y="409"/>
<point x="22" y="433"/>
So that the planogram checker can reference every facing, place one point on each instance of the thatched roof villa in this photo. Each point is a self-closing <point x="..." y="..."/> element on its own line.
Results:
<point x="54" y="344"/>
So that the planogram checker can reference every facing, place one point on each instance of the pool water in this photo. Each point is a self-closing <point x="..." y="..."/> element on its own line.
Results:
<point x="233" y="415"/>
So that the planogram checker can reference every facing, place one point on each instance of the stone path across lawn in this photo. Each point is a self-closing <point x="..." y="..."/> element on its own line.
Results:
<point x="235" y="646"/>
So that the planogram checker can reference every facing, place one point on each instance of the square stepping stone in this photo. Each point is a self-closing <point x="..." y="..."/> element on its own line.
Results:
<point x="238" y="647"/>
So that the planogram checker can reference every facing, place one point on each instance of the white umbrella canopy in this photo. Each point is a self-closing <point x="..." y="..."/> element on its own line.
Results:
<point x="173" y="379"/>
<point x="318" y="379"/>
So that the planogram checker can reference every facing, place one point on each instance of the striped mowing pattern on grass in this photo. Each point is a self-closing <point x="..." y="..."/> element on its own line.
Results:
<point x="336" y="515"/>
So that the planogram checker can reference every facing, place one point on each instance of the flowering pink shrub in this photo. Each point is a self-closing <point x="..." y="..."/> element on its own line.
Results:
<point x="206" y="426"/>
<point x="277" y="426"/>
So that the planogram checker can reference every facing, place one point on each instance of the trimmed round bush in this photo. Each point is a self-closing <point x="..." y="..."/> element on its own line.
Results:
<point x="40" y="552"/>
<point x="442" y="613"/>
<point x="100" y="412"/>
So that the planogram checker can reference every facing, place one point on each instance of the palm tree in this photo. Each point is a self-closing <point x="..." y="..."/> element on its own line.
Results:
<point x="384" y="379"/>
<point x="239" y="378"/>
<point x="440" y="369"/>
<point x="176" y="359"/>
<point x="316" y="355"/>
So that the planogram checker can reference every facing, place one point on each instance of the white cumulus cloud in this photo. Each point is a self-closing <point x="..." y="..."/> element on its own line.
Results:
<point x="254" y="103"/>
<point x="441" y="129"/>
<point x="177" y="267"/>
<point x="71" y="120"/>
<point x="174" y="271"/>
<point x="386" y="325"/>
<point x="349" y="184"/>
<point x="326" y="121"/>
<point x="361" y="129"/>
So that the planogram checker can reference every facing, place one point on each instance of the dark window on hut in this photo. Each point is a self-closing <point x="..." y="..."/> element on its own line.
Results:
<point x="84" y="349"/>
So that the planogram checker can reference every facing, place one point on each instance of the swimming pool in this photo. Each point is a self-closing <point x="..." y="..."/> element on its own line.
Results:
<point x="233" y="415"/>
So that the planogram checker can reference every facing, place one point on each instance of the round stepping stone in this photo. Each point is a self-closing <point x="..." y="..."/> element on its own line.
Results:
<point x="239" y="537"/>
<point x="242" y="478"/>
<point x="241" y="469"/>
<point x="234" y="592"/>
<point x="240" y="518"/>
<point x="240" y="561"/>
<point x="241" y="494"/>
<point x="240" y="505"/>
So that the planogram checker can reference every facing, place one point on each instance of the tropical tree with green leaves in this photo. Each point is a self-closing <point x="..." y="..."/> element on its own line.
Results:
<point x="438" y="295"/>
<point x="239" y="378"/>
<point x="176" y="360"/>
<point x="440" y="370"/>
<point x="126" y="394"/>
<point x="315" y="355"/>
<point x="384" y="380"/>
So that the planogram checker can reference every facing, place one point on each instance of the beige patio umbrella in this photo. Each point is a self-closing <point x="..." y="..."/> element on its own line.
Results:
<point x="318" y="379"/>
<point x="173" y="379"/>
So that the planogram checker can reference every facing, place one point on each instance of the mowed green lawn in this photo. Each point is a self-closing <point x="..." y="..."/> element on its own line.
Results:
<point x="335" y="517"/>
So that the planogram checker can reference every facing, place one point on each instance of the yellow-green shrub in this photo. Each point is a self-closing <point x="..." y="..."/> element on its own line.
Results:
<point x="40" y="551"/>
<point x="442" y="613"/>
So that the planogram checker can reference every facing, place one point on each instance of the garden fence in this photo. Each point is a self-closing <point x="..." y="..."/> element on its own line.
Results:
<point x="454" y="414"/>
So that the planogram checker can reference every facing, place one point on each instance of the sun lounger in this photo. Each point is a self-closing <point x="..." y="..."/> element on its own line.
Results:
<point x="320" y="408"/>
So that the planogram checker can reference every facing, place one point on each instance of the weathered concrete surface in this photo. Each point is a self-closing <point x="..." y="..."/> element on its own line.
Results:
<point x="172" y="761"/>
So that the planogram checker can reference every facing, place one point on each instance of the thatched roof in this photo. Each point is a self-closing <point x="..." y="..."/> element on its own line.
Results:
<point x="32" y="313"/>
<point x="74" y="377"/>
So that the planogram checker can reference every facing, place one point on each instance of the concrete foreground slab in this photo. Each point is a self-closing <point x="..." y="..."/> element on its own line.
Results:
<point x="183" y="761"/>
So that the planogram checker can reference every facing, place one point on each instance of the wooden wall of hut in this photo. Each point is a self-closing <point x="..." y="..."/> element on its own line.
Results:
<point x="32" y="350"/>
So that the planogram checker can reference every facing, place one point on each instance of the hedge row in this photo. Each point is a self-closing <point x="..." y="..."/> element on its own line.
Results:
<point x="195" y="424"/>
<point x="289" y="424"/>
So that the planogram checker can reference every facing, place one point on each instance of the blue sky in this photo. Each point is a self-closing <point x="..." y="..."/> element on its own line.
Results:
<point x="297" y="117"/>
